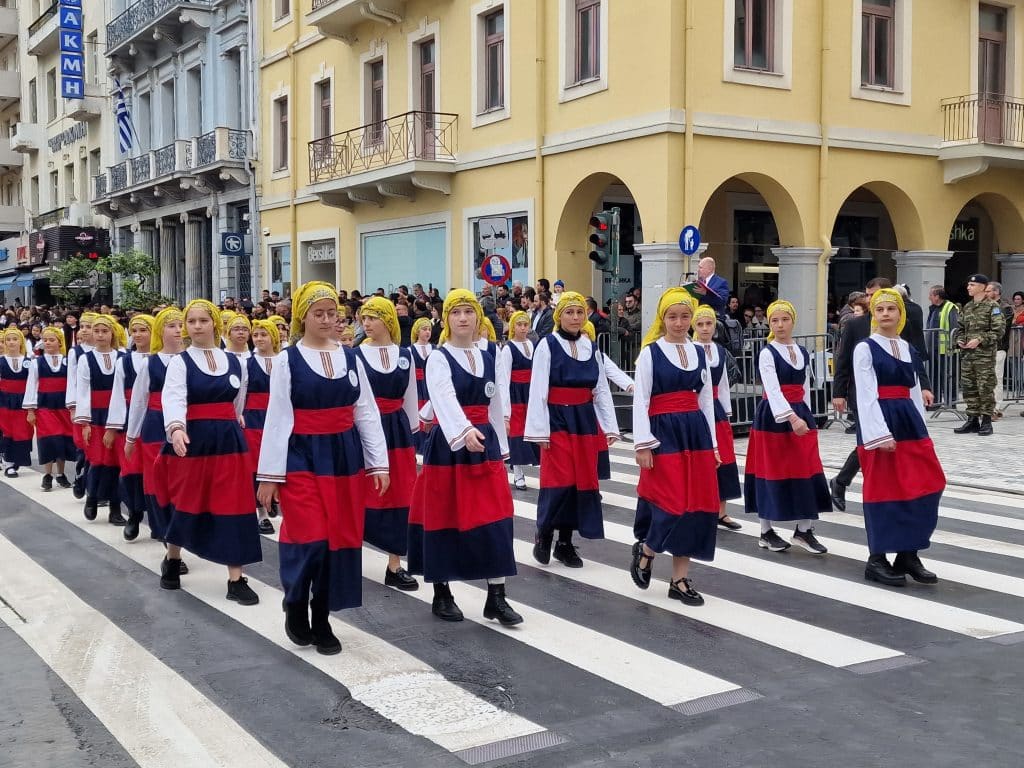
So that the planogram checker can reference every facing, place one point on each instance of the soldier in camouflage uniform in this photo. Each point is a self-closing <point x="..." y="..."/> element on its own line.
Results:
<point x="980" y="327"/>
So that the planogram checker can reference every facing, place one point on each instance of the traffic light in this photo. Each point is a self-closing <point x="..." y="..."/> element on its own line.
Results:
<point x="604" y="240"/>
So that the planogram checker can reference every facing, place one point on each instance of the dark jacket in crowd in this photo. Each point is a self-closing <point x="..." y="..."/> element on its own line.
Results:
<point x="856" y="331"/>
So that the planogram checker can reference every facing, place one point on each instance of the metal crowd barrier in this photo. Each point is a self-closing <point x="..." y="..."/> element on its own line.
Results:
<point x="942" y="362"/>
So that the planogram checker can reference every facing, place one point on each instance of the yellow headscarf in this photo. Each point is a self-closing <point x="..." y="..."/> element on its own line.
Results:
<point x="669" y="298"/>
<point x="10" y="333"/>
<point x="226" y="316"/>
<point x="516" y="317"/>
<point x="113" y="325"/>
<point x="457" y="297"/>
<point x="487" y="330"/>
<point x="163" y="317"/>
<point x="277" y="320"/>
<point x="146" y="320"/>
<point x="271" y="329"/>
<point x="889" y="294"/>
<point x="589" y="330"/>
<point x="781" y="305"/>
<point x="88" y="317"/>
<point x="423" y="322"/>
<point x="569" y="299"/>
<point x="346" y="333"/>
<point x="236" y="320"/>
<point x="308" y="295"/>
<point x="383" y="310"/>
<point x="59" y="333"/>
<point x="210" y="308"/>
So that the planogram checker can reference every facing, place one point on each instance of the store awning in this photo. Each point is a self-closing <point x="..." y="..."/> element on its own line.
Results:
<point x="24" y="281"/>
<point x="6" y="282"/>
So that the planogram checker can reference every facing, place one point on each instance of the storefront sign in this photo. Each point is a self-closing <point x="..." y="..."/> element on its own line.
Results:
<point x="320" y="251"/>
<point x="85" y="239"/>
<point x="22" y="258"/>
<point x="72" y="50"/>
<point x="76" y="132"/>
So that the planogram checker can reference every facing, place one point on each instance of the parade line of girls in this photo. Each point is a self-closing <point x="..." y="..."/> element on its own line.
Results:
<point x="207" y="440"/>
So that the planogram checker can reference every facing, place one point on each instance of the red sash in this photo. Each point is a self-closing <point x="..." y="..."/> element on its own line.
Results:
<point x="323" y="421"/>
<point x="894" y="393"/>
<point x="211" y="412"/>
<point x="672" y="402"/>
<point x="522" y="376"/>
<point x="387" y="405"/>
<point x="477" y="414"/>
<point x="569" y="396"/>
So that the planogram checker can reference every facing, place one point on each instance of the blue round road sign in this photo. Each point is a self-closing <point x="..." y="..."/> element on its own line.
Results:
<point x="689" y="240"/>
<point x="496" y="270"/>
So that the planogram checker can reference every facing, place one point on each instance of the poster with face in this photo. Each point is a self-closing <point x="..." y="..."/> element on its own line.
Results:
<point x="506" y="236"/>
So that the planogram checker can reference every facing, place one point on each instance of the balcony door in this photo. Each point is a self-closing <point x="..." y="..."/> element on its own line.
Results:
<point x="426" y="135"/>
<point x="991" y="73"/>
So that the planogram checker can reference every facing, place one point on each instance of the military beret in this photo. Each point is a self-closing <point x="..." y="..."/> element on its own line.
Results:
<point x="978" y="278"/>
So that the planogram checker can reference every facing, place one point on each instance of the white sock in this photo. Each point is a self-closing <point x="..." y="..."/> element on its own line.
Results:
<point x="500" y="580"/>
<point x="766" y="525"/>
<point x="803" y="525"/>
<point x="517" y="473"/>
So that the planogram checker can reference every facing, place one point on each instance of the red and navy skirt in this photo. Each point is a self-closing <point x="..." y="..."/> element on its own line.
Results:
<point x="15" y="431"/>
<point x="323" y="508"/>
<point x="131" y="490"/>
<point x="783" y="478"/>
<point x="728" y="473"/>
<point x="255" y="413"/>
<point x="902" y="488"/>
<point x="154" y="479"/>
<point x="209" y="491"/>
<point x="460" y="522"/>
<point x="677" y="509"/>
<point x="521" y="453"/>
<point x="387" y="516"/>
<point x="569" y="490"/>
<point x="53" y="435"/>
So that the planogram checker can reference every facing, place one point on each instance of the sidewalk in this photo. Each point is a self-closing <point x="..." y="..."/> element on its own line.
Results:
<point x="991" y="463"/>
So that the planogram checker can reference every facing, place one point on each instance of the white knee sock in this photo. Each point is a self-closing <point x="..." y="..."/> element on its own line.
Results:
<point x="500" y="580"/>
<point x="766" y="525"/>
<point x="517" y="473"/>
<point x="803" y="525"/>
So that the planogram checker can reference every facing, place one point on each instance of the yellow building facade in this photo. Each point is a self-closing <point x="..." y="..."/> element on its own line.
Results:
<point x="815" y="144"/>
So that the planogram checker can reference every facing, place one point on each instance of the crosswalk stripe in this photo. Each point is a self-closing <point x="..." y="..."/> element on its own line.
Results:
<point x="822" y="645"/>
<point x="159" y="718"/>
<point x="380" y="675"/>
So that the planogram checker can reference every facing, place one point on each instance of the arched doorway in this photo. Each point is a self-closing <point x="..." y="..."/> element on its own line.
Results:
<point x="986" y="225"/>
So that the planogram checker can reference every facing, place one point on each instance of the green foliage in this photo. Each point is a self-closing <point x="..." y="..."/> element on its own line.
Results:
<point x="71" y="280"/>
<point x="78" y="279"/>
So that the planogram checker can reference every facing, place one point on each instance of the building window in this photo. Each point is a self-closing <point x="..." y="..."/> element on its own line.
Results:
<point x="282" y="8"/>
<point x="33" y="102"/>
<point x="34" y="195"/>
<point x="95" y="54"/>
<point x="427" y="76"/>
<point x="754" y="36"/>
<point x="322" y="104"/>
<point x="878" y="43"/>
<point x="588" y="39"/>
<point x="281" y="269"/>
<point x="375" y="101"/>
<point x="51" y="94"/>
<point x="280" y="134"/>
<point x="494" y="60"/>
<point x="70" y="193"/>
<point x="54" y="189"/>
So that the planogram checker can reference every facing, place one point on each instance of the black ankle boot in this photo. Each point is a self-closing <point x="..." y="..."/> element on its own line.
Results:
<point x="910" y="564"/>
<point x="296" y="622"/>
<point x="985" y="426"/>
<point x="542" y="547"/>
<point x="497" y="608"/>
<point x="320" y="626"/>
<point x="170" y="573"/>
<point x="114" y="516"/>
<point x="90" y="509"/>
<point x="971" y="425"/>
<point x="878" y="569"/>
<point x="566" y="554"/>
<point x="131" y="528"/>
<point x="444" y="606"/>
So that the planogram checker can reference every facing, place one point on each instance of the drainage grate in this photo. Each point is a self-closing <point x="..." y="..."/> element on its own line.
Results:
<point x="498" y="750"/>
<point x="716" y="701"/>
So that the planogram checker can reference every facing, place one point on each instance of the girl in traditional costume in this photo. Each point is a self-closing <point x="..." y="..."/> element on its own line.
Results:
<point x="260" y="364"/>
<point x="76" y="353"/>
<point x="514" y="386"/>
<point x="237" y="332"/>
<point x="421" y="347"/>
<point x="15" y="429"/>
<point x="47" y="410"/>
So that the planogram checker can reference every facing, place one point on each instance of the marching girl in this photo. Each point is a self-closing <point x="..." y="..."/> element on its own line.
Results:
<point x="488" y="339"/>
<point x="674" y="435"/>
<point x="327" y="437"/>
<point x="453" y="534"/>
<point x="422" y="330"/>
<point x="514" y="385"/>
<point x="47" y="411"/>
<point x="237" y="331"/>
<point x="783" y="479"/>
<point x="389" y="369"/>
<point x="75" y="354"/>
<point x="704" y="323"/>
<point x="282" y="329"/>
<point x="226" y="316"/>
<point x="94" y="392"/>
<point x="208" y="486"/>
<point x="267" y="345"/>
<point x="570" y="405"/>
<point x="903" y="480"/>
<point x="125" y="376"/>
<point x="618" y="377"/>
<point x="15" y="428"/>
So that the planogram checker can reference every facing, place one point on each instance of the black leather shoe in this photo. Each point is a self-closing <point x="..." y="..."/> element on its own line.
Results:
<point x="183" y="570"/>
<point x="90" y="510"/>
<point x="444" y="606"/>
<point x="320" y="625"/>
<point x="275" y="510"/>
<point x="170" y="574"/>
<point x="878" y="569"/>
<point x="542" y="548"/>
<point x="266" y="527"/>
<point x="400" y="579"/>
<point x="838" y="494"/>
<point x="565" y="553"/>
<point x="11" y="472"/>
<point x="47" y="483"/>
<point x="62" y="481"/>
<point x="969" y="426"/>
<point x="685" y="594"/>
<point x="641" y="576"/>
<point x="114" y="516"/>
<point x="296" y="623"/>
<point x="241" y="593"/>
<point x="131" y="528"/>
<point x="985" y="426"/>
<point x="728" y="522"/>
<point x="910" y="564"/>
<point x="497" y="608"/>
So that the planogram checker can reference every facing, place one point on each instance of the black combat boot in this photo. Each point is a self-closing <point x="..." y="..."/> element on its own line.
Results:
<point x="910" y="564"/>
<point x="91" y="509"/>
<point x="542" y="546"/>
<point x="320" y="625"/>
<point x="444" y="606"/>
<point x="296" y="622"/>
<point x="497" y="608"/>
<point x="985" y="426"/>
<point x="969" y="426"/>
<point x="878" y="569"/>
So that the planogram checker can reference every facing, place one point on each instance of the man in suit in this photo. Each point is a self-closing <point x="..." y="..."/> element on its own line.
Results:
<point x="543" y="316"/>
<point x="856" y="330"/>
<point x="713" y="289"/>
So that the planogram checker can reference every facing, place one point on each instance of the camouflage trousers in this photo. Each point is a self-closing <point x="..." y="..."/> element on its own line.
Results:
<point x="978" y="381"/>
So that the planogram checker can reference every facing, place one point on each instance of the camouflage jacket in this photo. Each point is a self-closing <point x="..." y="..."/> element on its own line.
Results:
<point x="983" y="320"/>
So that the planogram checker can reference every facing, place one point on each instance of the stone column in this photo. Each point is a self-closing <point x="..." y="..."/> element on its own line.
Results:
<point x="920" y="270"/>
<point x="662" y="266"/>
<point x="1011" y="273"/>
<point x="194" y="282"/>
<point x="168" y="261"/>
<point x="800" y="274"/>
<point x="206" y="253"/>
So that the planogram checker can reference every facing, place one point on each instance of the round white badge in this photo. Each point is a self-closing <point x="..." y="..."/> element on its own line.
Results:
<point x="403" y="363"/>
<point x="353" y="378"/>
<point x="234" y="381"/>
<point x="490" y="389"/>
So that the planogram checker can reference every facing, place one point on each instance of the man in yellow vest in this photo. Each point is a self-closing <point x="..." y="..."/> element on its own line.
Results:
<point x="942" y="319"/>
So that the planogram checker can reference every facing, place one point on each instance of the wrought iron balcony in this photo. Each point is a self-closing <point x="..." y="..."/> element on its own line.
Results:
<point x="119" y="177"/>
<point x="339" y="18"/>
<point x="391" y="158"/>
<point x="980" y="131"/>
<point x="146" y="14"/>
<point x="99" y="186"/>
<point x="43" y="32"/>
<point x="50" y="218"/>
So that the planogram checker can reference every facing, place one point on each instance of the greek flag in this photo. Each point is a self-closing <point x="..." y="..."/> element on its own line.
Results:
<point x="125" y="129"/>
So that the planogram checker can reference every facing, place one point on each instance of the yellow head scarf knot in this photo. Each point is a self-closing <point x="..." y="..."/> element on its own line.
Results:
<point x="241" y="320"/>
<point x="277" y="320"/>
<point x="13" y="333"/>
<point x="669" y="298"/>
<point x="385" y="311"/>
<point x="59" y="333"/>
<point x="704" y="310"/>
<point x="590" y="330"/>
<point x="113" y="325"/>
<point x="569" y="299"/>
<point x="211" y="309"/>
<point x="419" y="325"/>
<point x="88" y="317"/>
<point x="163" y="317"/>
<point x="888" y="294"/>
<point x="226" y="316"/>
<point x="487" y="330"/>
<point x="272" y="331"/>
<point x="455" y="298"/>
<point x="142" y="319"/>
<point x="308" y="295"/>
<point x="517" y="317"/>
<point x="780" y="305"/>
